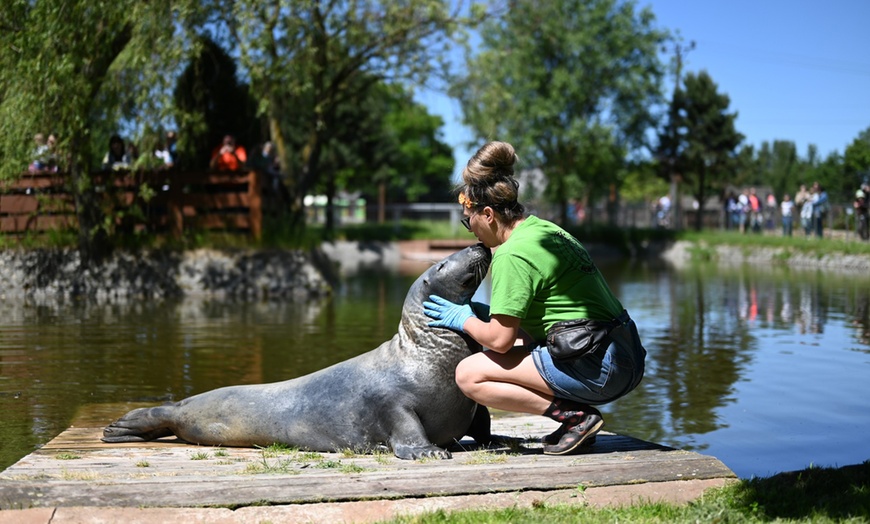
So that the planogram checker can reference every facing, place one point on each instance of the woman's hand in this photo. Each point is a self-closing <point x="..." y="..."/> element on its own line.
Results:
<point x="446" y="313"/>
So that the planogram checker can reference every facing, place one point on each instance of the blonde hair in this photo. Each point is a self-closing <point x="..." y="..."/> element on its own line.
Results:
<point x="488" y="180"/>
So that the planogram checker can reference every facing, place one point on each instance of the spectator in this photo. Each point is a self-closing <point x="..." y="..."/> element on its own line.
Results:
<point x="786" y="207"/>
<point x="769" y="211"/>
<point x="117" y="158"/>
<point x="162" y="152"/>
<point x="820" y="208"/>
<point x="807" y="211"/>
<point x="663" y="211"/>
<point x="172" y="146"/>
<point x="745" y="210"/>
<point x="228" y="156"/>
<point x="755" y="217"/>
<point x="267" y="163"/>
<point x="40" y="152"/>
<point x="861" y="211"/>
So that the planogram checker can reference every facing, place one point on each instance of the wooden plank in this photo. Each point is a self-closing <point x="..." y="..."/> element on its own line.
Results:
<point x="76" y="469"/>
<point x="217" y="200"/>
<point x="203" y="178"/>
<point x="31" y="204"/>
<point x="18" y="204"/>
<point x="36" y="181"/>
<point x="22" y="223"/>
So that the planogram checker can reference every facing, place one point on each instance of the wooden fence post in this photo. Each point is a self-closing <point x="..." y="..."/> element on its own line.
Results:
<point x="255" y="200"/>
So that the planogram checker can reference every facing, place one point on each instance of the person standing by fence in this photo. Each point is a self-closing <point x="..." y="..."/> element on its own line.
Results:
<point x="785" y="208"/>
<point x="861" y="211"/>
<point x="820" y="208"/>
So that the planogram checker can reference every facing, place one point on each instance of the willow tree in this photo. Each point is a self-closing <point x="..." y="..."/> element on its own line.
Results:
<point x="569" y="83"/>
<point x="309" y="57"/>
<point x="70" y="66"/>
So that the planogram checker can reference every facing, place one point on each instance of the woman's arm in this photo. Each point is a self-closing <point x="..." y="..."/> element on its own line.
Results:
<point x="499" y="334"/>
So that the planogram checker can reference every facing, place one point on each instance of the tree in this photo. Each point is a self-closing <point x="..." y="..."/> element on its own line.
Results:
<point x="386" y="146"/>
<point x="704" y="145"/>
<point x="302" y="56"/>
<point x="210" y="102"/>
<point x="570" y="84"/>
<point x="68" y="67"/>
<point x="780" y="165"/>
<point x="856" y="161"/>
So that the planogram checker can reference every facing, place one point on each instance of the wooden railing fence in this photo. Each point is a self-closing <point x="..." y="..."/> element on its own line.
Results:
<point x="179" y="201"/>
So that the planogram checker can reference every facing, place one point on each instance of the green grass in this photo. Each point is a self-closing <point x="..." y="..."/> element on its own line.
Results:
<point x="817" y="495"/>
<point x="798" y="243"/>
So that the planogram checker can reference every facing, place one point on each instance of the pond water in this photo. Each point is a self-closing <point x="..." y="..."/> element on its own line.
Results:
<point x="765" y="369"/>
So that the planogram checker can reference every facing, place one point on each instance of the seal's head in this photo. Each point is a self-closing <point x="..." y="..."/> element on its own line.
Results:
<point x="454" y="278"/>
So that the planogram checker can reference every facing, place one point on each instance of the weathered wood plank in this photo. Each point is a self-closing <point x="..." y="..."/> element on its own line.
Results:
<point x="36" y="223"/>
<point x="76" y="469"/>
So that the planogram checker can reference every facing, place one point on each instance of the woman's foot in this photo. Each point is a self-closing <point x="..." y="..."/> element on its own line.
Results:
<point x="554" y="438"/>
<point x="574" y="437"/>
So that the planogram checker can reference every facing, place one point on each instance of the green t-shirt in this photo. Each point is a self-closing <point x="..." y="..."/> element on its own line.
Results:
<point x="543" y="275"/>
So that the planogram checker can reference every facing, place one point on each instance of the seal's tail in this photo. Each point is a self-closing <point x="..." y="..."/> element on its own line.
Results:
<point x="139" y="425"/>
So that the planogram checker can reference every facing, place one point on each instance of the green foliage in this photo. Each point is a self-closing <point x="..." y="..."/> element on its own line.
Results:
<point x="856" y="162"/>
<point x="312" y="57"/>
<point x="797" y="243"/>
<point x="571" y="84"/>
<point x="390" y="140"/>
<point x="73" y="68"/>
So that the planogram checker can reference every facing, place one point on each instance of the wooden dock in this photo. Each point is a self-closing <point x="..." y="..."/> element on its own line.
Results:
<point x="77" y="470"/>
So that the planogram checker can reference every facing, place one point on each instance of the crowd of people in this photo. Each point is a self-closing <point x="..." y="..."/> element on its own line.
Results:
<point x="120" y="155"/>
<point x="808" y="210"/>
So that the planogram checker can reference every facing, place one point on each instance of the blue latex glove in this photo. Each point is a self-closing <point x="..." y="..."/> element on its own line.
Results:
<point x="446" y="313"/>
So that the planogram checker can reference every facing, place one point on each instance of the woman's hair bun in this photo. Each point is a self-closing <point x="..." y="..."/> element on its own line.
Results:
<point x="492" y="162"/>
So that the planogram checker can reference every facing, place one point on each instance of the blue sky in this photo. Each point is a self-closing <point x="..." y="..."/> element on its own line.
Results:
<point x="795" y="70"/>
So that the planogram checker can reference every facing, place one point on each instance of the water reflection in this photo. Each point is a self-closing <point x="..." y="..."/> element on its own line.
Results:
<point x="741" y="360"/>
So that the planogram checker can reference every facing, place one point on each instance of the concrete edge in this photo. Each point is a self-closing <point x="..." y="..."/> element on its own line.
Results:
<point x="675" y="492"/>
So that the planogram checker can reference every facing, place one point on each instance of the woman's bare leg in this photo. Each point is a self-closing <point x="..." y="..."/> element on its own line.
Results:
<point x="508" y="381"/>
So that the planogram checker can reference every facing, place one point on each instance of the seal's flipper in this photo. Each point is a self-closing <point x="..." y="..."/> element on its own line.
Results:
<point x="409" y="440"/>
<point x="411" y="452"/>
<point x="139" y="425"/>
<point x="114" y="436"/>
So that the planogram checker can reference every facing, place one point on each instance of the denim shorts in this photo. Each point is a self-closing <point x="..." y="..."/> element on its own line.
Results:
<point x="600" y="377"/>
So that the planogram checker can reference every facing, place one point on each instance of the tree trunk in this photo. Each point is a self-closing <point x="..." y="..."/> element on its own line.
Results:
<point x="295" y="208"/>
<point x="329" y="230"/>
<point x="93" y="238"/>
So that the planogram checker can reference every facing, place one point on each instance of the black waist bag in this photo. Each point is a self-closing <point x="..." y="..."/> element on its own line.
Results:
<point x="572" y="339"/>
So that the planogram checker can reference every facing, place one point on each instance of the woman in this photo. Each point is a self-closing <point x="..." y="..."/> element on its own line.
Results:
<point x="541" y="275"/>
<point x="117" y="157"/>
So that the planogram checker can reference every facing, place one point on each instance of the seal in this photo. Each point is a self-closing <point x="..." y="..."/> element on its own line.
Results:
<point x="402" y="394"/>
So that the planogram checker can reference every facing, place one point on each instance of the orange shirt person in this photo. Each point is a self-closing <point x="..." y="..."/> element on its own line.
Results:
<point x="228" y="156"/>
